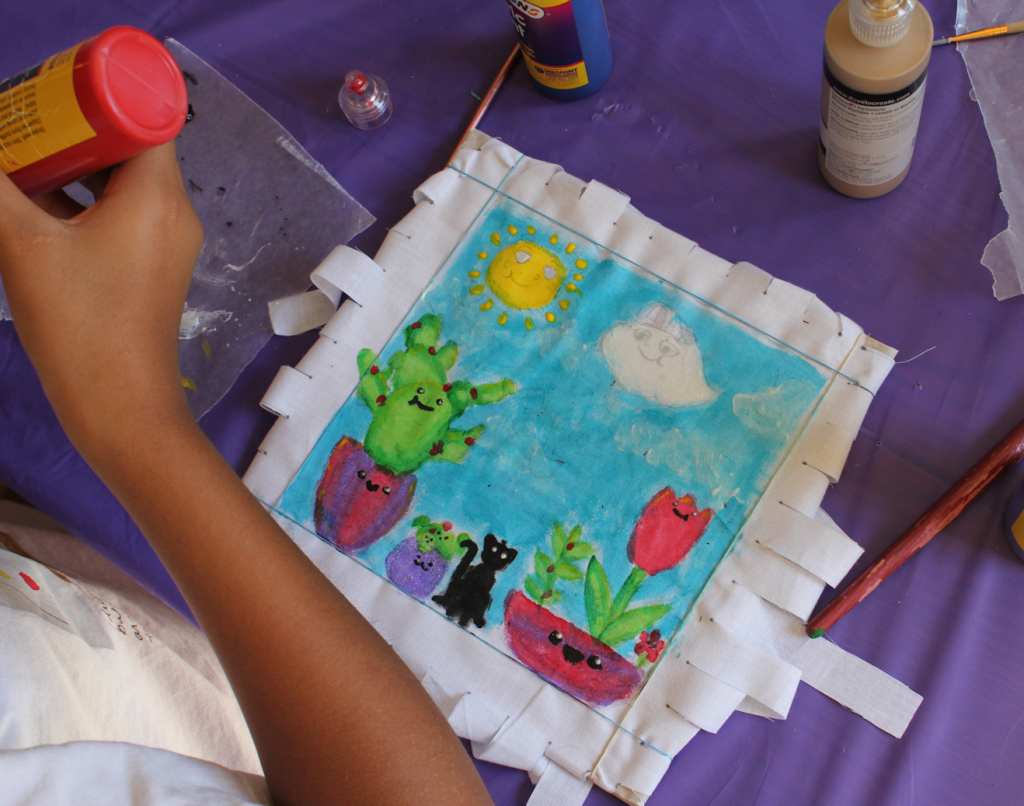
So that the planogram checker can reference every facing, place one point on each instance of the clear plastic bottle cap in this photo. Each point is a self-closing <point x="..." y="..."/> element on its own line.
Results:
<point x="880" y="23"/>
<point x="365" y="100"/>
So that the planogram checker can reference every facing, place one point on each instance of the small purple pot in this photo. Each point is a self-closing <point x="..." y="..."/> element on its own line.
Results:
<point x="416" y="572"/>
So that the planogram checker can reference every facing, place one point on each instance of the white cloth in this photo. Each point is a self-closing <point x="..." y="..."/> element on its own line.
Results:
<point x="95" y="673"/>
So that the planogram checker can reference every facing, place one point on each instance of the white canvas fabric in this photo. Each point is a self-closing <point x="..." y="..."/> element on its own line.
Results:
<point x="743" y="646"/>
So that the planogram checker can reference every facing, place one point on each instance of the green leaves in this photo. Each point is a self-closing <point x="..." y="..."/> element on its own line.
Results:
<point x="569" y="572"/>
<point x="568" y="549"/>
<point x="597" y="596"/>
<point x="605" y="617"/>
<point x="627" y="591"/>
<point x="632" y="623"/>
<point x="558" y="539"/>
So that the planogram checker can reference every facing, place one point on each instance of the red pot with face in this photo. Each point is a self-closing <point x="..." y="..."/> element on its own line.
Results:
<point x="562" y="653"/>
<point x="357" y="502"/>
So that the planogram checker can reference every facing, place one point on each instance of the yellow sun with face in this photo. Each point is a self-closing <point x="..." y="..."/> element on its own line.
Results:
<point x="525" y="276"/>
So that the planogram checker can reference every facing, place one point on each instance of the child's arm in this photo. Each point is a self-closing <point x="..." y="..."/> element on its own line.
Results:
<point x="97" y="299"/>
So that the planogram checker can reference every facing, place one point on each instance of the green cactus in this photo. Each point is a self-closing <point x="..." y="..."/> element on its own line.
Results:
<point x="414" y="404"/>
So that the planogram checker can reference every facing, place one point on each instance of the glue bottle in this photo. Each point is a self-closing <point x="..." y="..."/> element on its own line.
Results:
<point x="89" y="107"/>
<point x="565" y="45"/>
<point x="876" y="60"/>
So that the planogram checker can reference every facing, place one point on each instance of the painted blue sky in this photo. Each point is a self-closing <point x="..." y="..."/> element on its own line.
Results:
<point x="571" y="445"/>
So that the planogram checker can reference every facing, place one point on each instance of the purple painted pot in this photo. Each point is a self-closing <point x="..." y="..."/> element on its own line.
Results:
<point x="356" y="501"/>
<point x="416" y="572"/>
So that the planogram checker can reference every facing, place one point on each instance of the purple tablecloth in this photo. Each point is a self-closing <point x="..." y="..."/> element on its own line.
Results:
<point x="709" y="123"/>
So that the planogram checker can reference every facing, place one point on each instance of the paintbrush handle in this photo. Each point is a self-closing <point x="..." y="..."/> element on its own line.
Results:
<point x="1004" y="455"/>
<point x="499" y="79"/>
<point x="985" y="33"/>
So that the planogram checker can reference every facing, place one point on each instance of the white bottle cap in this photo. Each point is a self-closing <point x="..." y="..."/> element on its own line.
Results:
<point x="880" y="23"/>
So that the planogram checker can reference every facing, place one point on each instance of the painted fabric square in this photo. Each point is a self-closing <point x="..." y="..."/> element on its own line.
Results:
<point x="569" y="464"/>
<point x="556" y="449"/>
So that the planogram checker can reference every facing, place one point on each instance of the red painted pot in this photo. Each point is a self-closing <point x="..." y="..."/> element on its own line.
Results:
<point x="562" y="653"/>
<point x="357" y="502"/>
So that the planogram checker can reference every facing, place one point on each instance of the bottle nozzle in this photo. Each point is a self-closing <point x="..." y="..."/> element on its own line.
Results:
<point x="880" y="23"/>
<point x="357" y="83"/>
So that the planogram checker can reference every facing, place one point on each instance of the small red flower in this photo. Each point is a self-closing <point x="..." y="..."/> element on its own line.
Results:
<point x="650" y="645"/>
<point x="470" y="441"/>
<point x="381" y="400"/>
<point x="432" y="351"/>
<point x="437" y="448"/>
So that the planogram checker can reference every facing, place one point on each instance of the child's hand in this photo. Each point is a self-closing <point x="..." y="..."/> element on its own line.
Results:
<point x="97" y="295"/>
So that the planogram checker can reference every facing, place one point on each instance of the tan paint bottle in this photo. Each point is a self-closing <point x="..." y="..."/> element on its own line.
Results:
<point x="876" y="60"/>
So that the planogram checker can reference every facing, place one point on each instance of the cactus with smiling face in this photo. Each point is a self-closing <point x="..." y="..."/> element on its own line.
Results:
<point x="414" y="404"/>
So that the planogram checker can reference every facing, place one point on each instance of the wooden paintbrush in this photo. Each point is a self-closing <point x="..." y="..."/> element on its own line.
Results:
<point x="1003" y="456"/>
<point x="485" y="102"/>
<point x="984" y="33"/>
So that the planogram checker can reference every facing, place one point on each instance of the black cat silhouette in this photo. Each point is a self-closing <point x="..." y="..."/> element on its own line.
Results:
<point x="469" y="590"/>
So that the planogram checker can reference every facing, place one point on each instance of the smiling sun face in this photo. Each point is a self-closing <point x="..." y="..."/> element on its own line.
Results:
<point x="526" y="276"/>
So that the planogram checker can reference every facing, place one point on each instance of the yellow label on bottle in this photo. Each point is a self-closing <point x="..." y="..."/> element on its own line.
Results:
<point x="39" y="113"/>
<point x="568" y="77"/>
<point x="1018" y="530"/>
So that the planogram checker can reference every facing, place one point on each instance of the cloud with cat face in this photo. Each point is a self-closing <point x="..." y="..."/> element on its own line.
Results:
<point x="656" y="357"/>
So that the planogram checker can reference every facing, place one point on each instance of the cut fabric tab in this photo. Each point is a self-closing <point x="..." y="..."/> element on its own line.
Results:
<point x="825" y="552"/>
<point x="556" y="787"/>
<point x="865" y="690"/>
<point x="347" y="271"/>
<point x="287" y="391"/>
<point x="743" y="666"/>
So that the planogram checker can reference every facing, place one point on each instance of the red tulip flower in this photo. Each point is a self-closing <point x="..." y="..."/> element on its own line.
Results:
<point x="666" y="531"/>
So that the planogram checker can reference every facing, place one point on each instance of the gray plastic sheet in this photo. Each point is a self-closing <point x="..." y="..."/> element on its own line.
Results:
<point x="270" y="214"/>
<point x="995" y="67"/>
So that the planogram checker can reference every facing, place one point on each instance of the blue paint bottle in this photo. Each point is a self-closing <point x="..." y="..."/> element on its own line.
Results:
<point x="565" y="45"/>
<point x="1015" y="521"/>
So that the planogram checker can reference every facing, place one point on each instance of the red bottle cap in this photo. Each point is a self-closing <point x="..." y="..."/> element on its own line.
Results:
<point x="129" y="90"/>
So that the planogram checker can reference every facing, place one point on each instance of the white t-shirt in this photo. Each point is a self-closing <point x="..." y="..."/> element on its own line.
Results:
<point x="107" y="695"/>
